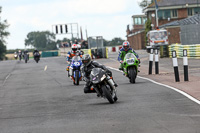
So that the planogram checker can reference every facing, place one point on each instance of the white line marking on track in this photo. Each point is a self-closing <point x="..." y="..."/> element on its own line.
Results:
<point x="45" y="68"/>
<point x="175" y="89"/>
<point x="6" y="79"/>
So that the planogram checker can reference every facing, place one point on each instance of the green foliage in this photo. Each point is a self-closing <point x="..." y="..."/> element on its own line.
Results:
<point x="114" y="42"/>
<point x="3" y="34"/>
<point x="147" y="29"/>
<point x="41" y="40"/>
<point x="145" y="3"/>
<point x="2" y="50"/>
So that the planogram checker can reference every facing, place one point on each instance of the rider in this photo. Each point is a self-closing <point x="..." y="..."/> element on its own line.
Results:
<point x="79" y="49"/>
<point x="35" y="51"/>
<point x="25" y="53"/>
<point x="123" y="51"/>
<point x="88" y="65"/>
<point x="71" y="54"/>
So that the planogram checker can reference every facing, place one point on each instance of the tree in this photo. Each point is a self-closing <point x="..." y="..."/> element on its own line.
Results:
<point x="3" y="34"/>
<point x="41" y="40"/>
<point x="147" y="28"/>
<point x="116" y="41"/>
<point x="145" y="3"/>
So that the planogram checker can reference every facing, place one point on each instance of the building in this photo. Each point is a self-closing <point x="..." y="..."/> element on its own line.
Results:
<point x="168" y="11"/>
<point x="136" y="35"/>
<point x="172" y="10"/>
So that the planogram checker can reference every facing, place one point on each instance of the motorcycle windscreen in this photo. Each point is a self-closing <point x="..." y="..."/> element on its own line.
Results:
<point x="96" y="75"/>
<point x="76" y="58"/>
<point x="130" y="55"/>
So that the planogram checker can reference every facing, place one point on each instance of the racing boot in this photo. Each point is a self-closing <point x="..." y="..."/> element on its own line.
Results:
<point x="88" y="89"/>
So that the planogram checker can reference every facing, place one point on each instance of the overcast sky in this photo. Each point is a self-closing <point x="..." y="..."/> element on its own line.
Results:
<point x="107" y="18"/>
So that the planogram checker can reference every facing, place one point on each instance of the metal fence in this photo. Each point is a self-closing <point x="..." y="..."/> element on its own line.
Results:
<point x="95" y="42"/>
<point x="190" y="34"/>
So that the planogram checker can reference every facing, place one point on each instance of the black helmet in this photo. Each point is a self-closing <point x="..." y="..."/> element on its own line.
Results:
<point x="86" y="59"/>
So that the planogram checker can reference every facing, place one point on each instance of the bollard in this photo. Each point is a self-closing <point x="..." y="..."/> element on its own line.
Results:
<point x="156" y="62"/>
<point x="150" y="61"/>
<point x="185" y="65"/>
<point x="175" y="64"/>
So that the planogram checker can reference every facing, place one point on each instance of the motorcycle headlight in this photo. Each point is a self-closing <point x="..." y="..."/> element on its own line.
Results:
<point x="130" y="61"/>
<point x="103" y="77"/>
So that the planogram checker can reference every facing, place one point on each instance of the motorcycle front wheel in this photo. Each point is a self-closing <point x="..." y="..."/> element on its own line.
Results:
<point x="132" y="74"/>
<point x="107" y="94"/>
<point x="77" y="77"/>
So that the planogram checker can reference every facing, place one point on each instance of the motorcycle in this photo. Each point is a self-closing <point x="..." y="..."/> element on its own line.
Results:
<point x="103" y="85"/>
<point x="15" y="56"/>
<point x="74" y="70"/>
<point x="130" y="66"/>
<point x="26" y="57"/>
<point x="20" y="55"/>
<point x="37" y="56"/>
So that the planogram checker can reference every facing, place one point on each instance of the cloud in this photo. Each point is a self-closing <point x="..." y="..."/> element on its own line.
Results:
<point x="102" y="17"/>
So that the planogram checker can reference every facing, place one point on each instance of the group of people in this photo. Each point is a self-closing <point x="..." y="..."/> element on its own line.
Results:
<point x="88" y="64"/>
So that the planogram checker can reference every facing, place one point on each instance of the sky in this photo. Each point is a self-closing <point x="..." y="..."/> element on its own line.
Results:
<point x="107" y="18"/>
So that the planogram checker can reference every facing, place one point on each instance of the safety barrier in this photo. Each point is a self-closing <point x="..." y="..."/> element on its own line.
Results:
<point x="192" y="50"/>
<point x="49" y="54"/>
<point x="114" y="49"/>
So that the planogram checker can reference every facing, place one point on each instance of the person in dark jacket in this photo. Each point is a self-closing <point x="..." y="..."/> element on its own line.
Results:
<point x="88" y="65"/>
<point x="34" y="53"/>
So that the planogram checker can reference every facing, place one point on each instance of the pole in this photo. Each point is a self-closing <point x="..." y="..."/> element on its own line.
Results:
<point x="86" y="33"/>
<point x="72" y="32"/>
<point x="156" y="7"/>
<point x="150" y="61"/>
<point x="175" y="64"/>
<point x="185" y="65"/>
<point x="156" y="62"/>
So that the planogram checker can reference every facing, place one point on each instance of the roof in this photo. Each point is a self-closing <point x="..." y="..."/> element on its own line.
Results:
<point x="164" y="3"/>
<point x="187" y="21"/>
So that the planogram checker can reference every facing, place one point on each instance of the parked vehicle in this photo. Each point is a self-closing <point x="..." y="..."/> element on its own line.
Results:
<point x="130" y="66"/>
<point x="157" y="38"/>
<point x="74" y="69"/>
<point x="103" y="85"/>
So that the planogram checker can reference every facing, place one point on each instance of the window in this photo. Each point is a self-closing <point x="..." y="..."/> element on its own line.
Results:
<point x="190" y="11"/>
<point x="164" y="14"/>
<point x="138" y="21"/>
<point x="144" y="20"/>
<point x="196" y="10"/>
<point x="174" y="13"/>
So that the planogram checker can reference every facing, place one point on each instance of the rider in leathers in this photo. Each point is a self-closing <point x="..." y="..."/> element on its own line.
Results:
<point x="88" y="65"/>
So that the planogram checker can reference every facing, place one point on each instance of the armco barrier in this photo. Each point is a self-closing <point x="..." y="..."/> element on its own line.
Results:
<point x="192" y="50"/>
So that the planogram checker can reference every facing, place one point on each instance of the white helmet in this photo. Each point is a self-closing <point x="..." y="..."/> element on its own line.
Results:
<point x="79" y="46"/>
<point x="74" y="47"/>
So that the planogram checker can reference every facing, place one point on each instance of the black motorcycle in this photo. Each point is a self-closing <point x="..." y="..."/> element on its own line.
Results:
<point x="37" y="56"/>
<point x="26" y="57"/>
<point x="20" y="55"/>
<point x="103" y="84"/>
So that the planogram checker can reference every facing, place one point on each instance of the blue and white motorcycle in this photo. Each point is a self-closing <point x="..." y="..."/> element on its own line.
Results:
<point x="75" y="69"/>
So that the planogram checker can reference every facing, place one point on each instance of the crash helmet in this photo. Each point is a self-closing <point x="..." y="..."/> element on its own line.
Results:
<point x="79" y="46"/>
<point x="74" y="47"/>
<point x="86" y="59"/>
<point x="126" y="45"/>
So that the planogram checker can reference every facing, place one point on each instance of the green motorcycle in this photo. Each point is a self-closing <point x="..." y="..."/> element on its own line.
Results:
<point x="130" y="66"/>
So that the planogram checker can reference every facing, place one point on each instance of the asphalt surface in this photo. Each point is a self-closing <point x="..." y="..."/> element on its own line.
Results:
<point x="40" y="98"/>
